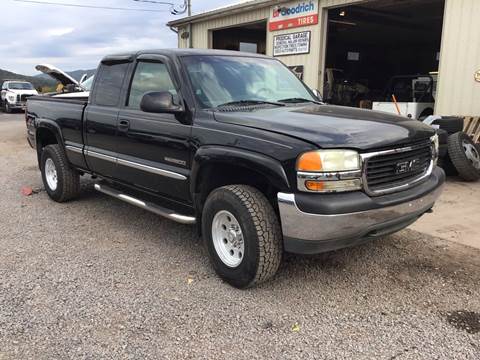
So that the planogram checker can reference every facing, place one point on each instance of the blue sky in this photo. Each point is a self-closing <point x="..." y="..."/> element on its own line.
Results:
<point x="77" y="38"/>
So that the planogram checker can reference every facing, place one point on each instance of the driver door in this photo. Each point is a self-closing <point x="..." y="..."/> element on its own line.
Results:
<point x="153" y="149"/>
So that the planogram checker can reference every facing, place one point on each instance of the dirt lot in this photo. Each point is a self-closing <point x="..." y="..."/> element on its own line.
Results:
<point x="97" y="278"/>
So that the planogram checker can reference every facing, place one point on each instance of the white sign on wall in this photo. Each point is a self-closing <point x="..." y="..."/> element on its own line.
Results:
<point x="291" y="44"/>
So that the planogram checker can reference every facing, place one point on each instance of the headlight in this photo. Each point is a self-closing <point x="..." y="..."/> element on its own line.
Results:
<point x="329" y="171"/>
<point x="11" y="98"/>
<point x="435" y="148"/>
<point x="329" y="160"/>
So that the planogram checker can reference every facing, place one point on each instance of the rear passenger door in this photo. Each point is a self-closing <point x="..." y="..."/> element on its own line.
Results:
<point x="153" y="149"/>
<point x="101" y="117"/>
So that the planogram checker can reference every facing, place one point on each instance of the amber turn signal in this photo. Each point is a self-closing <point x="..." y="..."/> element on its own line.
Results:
<point x="314" y="185"/>
<point x="310" y="161"/>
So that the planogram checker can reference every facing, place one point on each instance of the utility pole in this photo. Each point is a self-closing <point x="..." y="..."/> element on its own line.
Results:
<point x="189" y="13"/>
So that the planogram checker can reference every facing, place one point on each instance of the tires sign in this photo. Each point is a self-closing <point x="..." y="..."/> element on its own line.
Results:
<point x="291" y="44"/>
<point x="293" y="15"/>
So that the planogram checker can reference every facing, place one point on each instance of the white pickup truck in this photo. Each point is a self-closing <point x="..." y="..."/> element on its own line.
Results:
<point x="15" y="93"/>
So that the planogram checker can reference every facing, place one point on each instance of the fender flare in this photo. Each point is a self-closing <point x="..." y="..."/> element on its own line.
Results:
<point x="270" y="168"/>
<point x="53" y="127"/>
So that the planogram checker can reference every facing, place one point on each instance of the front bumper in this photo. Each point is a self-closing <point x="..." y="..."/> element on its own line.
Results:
<point x="316" y="232"/>
<point x="18" y="105"/>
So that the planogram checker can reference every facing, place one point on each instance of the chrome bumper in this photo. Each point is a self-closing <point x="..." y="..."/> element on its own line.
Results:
<point x="305" y="227"/>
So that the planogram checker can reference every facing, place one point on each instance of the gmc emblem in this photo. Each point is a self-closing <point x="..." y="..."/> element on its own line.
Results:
<point x="406" y="166"/>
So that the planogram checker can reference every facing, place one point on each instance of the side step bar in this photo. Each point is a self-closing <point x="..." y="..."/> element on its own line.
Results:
<point x="169" y="214"/>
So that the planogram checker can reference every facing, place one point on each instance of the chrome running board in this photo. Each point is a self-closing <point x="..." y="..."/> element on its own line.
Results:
<point x="167" y="213"/>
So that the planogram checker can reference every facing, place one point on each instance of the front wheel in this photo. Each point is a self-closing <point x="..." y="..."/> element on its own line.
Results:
<point x="242" y="235"/>
<point x="8" y="109"/>
<point x="62" y="183"/>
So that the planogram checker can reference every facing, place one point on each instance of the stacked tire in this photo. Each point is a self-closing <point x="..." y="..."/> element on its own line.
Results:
<point x="464" y="156"/>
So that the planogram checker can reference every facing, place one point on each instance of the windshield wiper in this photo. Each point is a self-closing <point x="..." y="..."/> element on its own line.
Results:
<point x="251" y="102"/>
<point x="298" y="100"/>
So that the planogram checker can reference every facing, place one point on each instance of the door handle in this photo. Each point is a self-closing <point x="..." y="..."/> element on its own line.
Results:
<point x="123" y="125"/>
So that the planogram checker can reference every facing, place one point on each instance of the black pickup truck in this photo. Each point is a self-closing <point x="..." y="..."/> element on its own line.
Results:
<point x="236" y="144"/>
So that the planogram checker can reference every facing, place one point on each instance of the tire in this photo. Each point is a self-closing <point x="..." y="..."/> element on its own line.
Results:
<point x="7" y="108"/>
<point x="450" y="124"/>
<point x="259" y="228"/>
<point x="446" y="164"/>
<point x="67" y="180"/>
<point x="464" y="156"/>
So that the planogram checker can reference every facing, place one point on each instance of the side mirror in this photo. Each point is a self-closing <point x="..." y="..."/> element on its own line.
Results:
<point x="159" y="102"/>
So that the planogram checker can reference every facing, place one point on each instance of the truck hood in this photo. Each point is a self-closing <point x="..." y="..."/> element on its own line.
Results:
<point x="57" y="74"/>
<point x="332" y="126"/>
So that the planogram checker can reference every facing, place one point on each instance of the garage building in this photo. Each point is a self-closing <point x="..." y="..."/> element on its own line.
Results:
<point x="356" y="52"/>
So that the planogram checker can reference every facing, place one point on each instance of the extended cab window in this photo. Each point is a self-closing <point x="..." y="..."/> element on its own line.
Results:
<point x="108" y="86"/>
<point x="149" y="76"/>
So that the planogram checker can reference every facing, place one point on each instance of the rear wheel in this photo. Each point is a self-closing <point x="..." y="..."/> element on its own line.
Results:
<point x="62" y="183"/>
<point x="464" y="156"/>
<point x="242" y="235"/>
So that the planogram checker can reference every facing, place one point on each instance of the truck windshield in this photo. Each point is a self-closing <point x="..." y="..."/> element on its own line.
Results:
<point x="221" y="80"/>
<point x="20" y="86"/>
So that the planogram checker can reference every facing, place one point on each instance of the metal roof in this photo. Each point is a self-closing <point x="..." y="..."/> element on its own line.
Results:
<point x="131" y="55"/>
<point x="230" y="9"/>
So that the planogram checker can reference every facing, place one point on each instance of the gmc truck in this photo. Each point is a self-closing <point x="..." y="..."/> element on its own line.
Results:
<point x="236" y="144"/>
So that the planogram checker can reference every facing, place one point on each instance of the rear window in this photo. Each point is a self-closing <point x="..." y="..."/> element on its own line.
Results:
<point x="108" y="84"/>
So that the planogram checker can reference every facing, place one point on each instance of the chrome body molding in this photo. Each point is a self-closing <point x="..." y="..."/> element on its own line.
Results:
<point x="151" y="169"/>
<point x="167" y="213"/>
<point x="74" y="149"/>
<point x="328" y="176"/>
<point x="132" y="164"/>
<point x="299" y="225"/>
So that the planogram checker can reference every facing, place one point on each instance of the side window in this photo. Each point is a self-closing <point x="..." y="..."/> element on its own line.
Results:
<point x="149" y="76"/>
<point x="108" y="86"/>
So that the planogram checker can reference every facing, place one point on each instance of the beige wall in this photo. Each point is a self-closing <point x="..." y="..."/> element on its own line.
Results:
<point x="458" y="92"/>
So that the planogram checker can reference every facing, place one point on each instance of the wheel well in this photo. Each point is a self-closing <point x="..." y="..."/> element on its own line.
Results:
<point x="213" y="176"/>
<point x="45" y="137"/>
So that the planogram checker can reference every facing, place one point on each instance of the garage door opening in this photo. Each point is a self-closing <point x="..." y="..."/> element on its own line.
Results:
<point x="249" y="38"/>
<point x="383" y="48"/>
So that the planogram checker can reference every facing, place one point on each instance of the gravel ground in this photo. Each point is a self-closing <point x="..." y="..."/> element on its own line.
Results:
<point x="97" y="278"/>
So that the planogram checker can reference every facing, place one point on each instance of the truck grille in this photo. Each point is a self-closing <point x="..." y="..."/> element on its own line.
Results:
<point x="397" y="169"/>
<point x="24" y="97"/>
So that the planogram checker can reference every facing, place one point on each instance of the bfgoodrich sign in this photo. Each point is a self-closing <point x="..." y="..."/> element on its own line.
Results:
<point x="294" y="14"/>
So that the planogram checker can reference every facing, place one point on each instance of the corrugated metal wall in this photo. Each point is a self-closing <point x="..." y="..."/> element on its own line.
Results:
<point x="201" y="32"/>
<point x="458" y="92"/>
